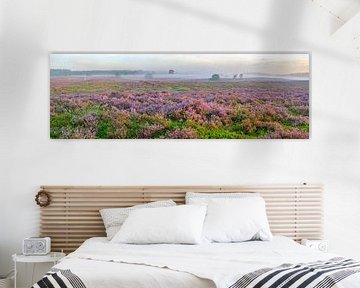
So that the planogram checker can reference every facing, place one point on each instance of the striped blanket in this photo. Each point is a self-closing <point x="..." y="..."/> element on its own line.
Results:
<point x="319" y="274"/>
<point x="57" y="278"/>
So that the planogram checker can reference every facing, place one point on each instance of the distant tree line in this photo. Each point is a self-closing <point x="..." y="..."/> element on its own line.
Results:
<point x="68" y="72"/>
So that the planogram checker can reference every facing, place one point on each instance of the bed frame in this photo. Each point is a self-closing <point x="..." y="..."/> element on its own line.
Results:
<point x="73" y="215"/>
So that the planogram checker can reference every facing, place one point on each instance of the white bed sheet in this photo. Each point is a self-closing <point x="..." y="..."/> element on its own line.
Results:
<point x="101" y="274"/>
<point x="100" y="263"/>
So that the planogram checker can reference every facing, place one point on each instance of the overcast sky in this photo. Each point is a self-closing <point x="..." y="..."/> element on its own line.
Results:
<point x="186" y="63"/>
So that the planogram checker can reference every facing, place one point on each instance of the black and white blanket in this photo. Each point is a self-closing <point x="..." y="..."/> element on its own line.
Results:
<point x="59" y="278"/>
<point x="319" y="274"/>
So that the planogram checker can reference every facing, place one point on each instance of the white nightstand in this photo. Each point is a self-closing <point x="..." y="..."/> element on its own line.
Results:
<point x="53" y="257"/>
<point x="320" y="245"/>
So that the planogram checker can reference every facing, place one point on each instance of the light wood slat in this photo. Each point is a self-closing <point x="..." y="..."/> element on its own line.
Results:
<point x="177" y="194"/>
<point x="99" y="198"/>
<point x="299" y="206"/>
<point x="69" y="203"/>
<point x="187" y="188"/>
<point x="99" y="228"/>
<point x="95" y="209"/>
<point x="96" y="215"/>
<point x="73" y="216"/>
<point x="126" y="193"/>
<point x="112" y="200"/>
<point x="282" y="211"/>
<point x="87" y="207"/>
<point x="77" y="213"/>
<point x="98" y="218"/>
<point x="62" y="230"/>
<point x="77" y="236"/>
<point x="59" y="237"/>
<point x="99" y="221"/>
<point x="69" y="245"/>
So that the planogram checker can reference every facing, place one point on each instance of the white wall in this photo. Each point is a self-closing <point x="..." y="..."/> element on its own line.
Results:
<point x="30" y="29"/>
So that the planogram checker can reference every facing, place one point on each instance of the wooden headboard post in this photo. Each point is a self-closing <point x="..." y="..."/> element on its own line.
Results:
<point x="73" y="215"/>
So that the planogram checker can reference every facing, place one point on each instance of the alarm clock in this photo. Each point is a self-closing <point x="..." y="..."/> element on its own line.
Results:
<point x="36" y="246"/>
<point x="319" y="245"/>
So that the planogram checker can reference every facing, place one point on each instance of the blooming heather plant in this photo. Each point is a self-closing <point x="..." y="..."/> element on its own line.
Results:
<point x="116" y="108"/>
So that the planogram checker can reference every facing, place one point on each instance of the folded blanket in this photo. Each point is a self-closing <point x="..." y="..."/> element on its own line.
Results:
<point x="319" y="274"/>
<point x="59" y="278"/>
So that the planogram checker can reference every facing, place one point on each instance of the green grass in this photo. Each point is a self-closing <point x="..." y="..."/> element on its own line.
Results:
<point x="69" y="118"/>
<point x="54" y="134"/>
<point x="61" y="120"/>
<point x="104" y="129"/>
<point x="287" y="124"/>
<point x="217" y="133"/>
<point x="176" y="124"/>
<point x="133" y="128"/>
<point x="293" y="111"/>
<point x="178" y="89"/>
<point x="89" y="88"/>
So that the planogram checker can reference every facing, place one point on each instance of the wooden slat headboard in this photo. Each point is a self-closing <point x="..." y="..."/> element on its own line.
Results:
<point x="73" y="215"/>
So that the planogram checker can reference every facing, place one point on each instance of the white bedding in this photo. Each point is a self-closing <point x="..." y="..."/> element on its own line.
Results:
<point x="100" y="263"/>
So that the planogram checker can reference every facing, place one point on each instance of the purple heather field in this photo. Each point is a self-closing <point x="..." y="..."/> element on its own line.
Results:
<point x="110" y="107"/>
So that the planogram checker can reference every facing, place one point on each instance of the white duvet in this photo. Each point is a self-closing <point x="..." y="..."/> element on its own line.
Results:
<point x="100" y="263"/>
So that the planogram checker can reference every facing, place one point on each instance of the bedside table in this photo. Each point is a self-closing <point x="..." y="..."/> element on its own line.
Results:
<point x="320" y="245"/>
<point x="53" y="257"/>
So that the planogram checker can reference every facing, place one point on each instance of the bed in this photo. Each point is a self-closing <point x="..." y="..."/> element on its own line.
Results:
<point x="99" y="263"/>
<point x="294" y="212"/>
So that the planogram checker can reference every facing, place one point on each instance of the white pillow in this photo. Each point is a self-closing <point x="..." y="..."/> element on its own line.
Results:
<point x="236" y="220"/>
<point x="180" y="224"/>
<point x="203" y="198"/>
<point x="113" y="218"/>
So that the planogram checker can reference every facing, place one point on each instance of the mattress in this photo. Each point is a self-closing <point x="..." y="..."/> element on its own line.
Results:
<point x="99" y="263"/>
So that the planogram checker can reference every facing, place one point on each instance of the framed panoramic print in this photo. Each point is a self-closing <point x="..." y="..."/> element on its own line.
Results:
<point x="179" y="96"/>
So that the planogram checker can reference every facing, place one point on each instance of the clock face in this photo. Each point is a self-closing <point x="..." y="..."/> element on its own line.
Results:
<point x="29" y="245"/>
<point x="40" y="245"/>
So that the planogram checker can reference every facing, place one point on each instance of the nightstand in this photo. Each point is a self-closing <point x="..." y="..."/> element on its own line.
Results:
<point x="53" y="257"/>
<point x="320" y="245"/>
